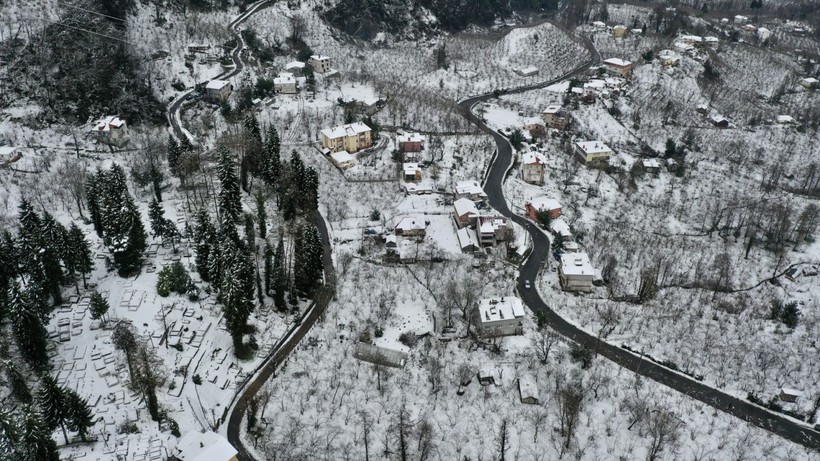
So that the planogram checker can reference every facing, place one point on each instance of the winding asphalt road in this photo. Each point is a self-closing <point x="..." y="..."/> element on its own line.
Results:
<point x="776" y="424"/>
<point x="324" y="294"/>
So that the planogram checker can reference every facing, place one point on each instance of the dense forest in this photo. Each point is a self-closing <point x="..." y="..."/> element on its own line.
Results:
<point x="79" y="67"/>
<point x="366" y="18"/>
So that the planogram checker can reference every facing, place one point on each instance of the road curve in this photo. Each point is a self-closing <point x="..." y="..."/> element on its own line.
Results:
<point x="324" y="294"/>
<point x="753" y="414"/>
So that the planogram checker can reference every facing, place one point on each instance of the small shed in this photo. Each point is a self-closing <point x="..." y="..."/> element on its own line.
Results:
<point x="380" y="355"/>
<point x="528" y="71"/>
<point x="651" y="165"/>
<point x="789" y="395"/>
<point x="527" y="390"/>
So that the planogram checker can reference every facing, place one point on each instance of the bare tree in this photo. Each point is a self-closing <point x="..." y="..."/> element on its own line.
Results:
<point x="569" y="399"/>
<point x="72" y="177"/>
<point x="503" y="440"/>
<point x="425" y="435"/>
<point x="367" y="426"/>
<point x="542" y="343"/>
<point x="663" y="427"/>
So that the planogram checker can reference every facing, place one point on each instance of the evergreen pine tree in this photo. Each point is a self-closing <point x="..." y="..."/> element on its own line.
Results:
<point x="250" y="234"/>
<point x="271" y="163"/>
<point x="27" y="320"/>
<point x="9" y="435"/>
<point x="52" y="235"/>
<point x="92" y="186"/>
<point x="8" y="271"/>
<point x="52" y="403"/>
<point x="254" y="148"/>
<point x="80" y="418"/>
<point x="310" y="191"/>
<point x="98" y="305"/>
<point x="230" y="207"/>
<point x="35" y="442"/>
<point x="156" y="217"/>
<point x="17" y="383"/>
<point x="123" y="229"/>
<point x="268" y="267"/>
<point x="261" y="214"/>
<point x="80" y="252"/>
<point x="124" y="339"/>
<point x="307" y="265"/>
<point x="280" y="278"/>
<point x="215" y="262"/>
<point x="30" y="242"/>
<point x="174" y="152"/>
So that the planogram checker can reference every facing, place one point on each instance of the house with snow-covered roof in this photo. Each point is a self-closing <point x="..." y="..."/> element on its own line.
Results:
<point x="352" y="137"/>
<point x="470" y="189"/>
<point x="410" y="226"/>
<point x="542" y="205"/>
<point x="555" y="117"/>
<point x="342" y="159"/>
<point x="320" y="63"/>
<point x="619" y="31"/>
<point x="295" y="66"/>
<point x="284" y="83"/>
<point x="465" y="212"/>
<point x="668" y="58"/>
<point x="411" y="172"/>
<point x="491" y="230"/>
<point x="592" y="152"/>
<point x="618" y="66"/>
<point x="809" y="83"/>
<point x="410" y="142"/>
<point x="218" y="91"/>
<point x="111" y="130"/>
<point x="204" y="446"/>
<point x="533" y="166"/>
<point x="502" y="316"/>
<point x="576" y="272"/>
<point x="527" y="390"/>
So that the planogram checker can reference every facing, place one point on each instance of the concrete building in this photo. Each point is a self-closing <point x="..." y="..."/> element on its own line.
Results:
<point x="285" y="83"/>
<point x="668" y="58"/>
<point x="533" y="166"/>
<point x="218" y="91"/>
<point x="543" y="204"/>
<point x="528" y="71"/>
<point x="470" y="189"/>
<point x="618" y="66"/>
<point x="576" y="272"/>
<point x="410" y="142"/>
<point x="592" y="152"/>
<point x="352" y="138"/>
<point x="555" y="117"/>
<point x="500" y="316"/>
<point x="465" y="212"/>
<point x="111" y="130"/>
<point x="320" y="63"/>
<point x="491" y="230"/>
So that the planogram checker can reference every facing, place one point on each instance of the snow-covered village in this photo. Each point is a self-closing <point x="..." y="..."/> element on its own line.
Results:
<point x="409" y="230"/>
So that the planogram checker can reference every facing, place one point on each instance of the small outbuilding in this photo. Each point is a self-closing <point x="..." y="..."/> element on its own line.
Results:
<point x="527" y="390"/>
<point x="790" y="395"/>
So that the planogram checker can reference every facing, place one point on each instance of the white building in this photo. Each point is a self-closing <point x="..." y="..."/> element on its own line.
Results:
<point x="342" y="159"/>
<point x="809" y="83"/>
<point x="218" y="90"/>
<point x="205" y="446"/>
<point x="470" y="189"/>
<point x="500" y="316"/>
<point x="491" y="229"/>
<point x="320" y="63"/>
<point x="741" y="19"/>
<point x="111" y="130"/>
<point x="576" y="272"/>
<point x="284" y="83"/>
<point x="528" y="71"/>
<point x="592" y="151"/>
<point x="295" y="66"/>
<point x="669" y="58"/>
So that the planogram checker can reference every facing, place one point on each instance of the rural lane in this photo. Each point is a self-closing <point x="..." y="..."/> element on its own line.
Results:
<point x="758" y="416"/>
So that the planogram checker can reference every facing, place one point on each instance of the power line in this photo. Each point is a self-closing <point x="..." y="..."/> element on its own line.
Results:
<point x="90" y="32"/>
<point x="90" y="11"/>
